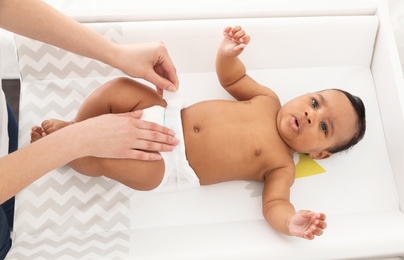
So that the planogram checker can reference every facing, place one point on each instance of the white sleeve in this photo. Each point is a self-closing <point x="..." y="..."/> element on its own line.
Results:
<point x="3" y="122"/>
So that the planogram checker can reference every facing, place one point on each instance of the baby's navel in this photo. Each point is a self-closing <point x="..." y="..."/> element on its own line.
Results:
<point x="257" y="152"/>
<point x="196" y="129"/>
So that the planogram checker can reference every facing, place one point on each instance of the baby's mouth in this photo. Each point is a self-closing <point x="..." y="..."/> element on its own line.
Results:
<point x="295" y="124"/>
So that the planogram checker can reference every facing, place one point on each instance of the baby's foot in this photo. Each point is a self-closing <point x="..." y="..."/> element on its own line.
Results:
<point x="36" y="133"/>
<point x="52" y="125"/>
<point x="47" y="127"/>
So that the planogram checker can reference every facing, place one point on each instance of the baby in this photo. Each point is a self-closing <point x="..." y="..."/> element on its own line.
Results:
<point x="252" y="138"/>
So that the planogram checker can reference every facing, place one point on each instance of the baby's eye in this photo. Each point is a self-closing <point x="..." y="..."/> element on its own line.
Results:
<point x="324" y="127"/>
<point x="314" y="103"/>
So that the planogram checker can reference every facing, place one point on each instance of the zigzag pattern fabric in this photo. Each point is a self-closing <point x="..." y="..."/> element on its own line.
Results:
<point x="65" y="215"/>
<point x="108" y="245"/>
<point x="40" y="61"/>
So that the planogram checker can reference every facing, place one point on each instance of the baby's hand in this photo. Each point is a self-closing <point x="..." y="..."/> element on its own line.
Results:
<point x="234" y="41"/>
<point x="307" y="224"/>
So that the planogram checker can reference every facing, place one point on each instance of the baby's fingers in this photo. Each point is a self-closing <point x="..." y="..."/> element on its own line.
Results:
<point x="308" y="235"/>
<point x="322" y="224"/>
<point x="236" y="29"/>
<point x="321" y="216"/>
<point x="240" y="36"/>
<point x="227" y="31"/>
<point x="318" y="227"/>
<point x="237" y="34"/>
<point x="318" y="231"/>
<point x="312" y="232"/>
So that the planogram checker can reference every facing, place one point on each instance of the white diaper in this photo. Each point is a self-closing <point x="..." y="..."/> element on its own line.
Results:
<point x="178" y="174"/>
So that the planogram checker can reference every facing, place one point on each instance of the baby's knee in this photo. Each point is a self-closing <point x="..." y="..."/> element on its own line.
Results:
<point x="149" y="186"/>
<point x="122" y="82"/>
<point x="146" y="179"/>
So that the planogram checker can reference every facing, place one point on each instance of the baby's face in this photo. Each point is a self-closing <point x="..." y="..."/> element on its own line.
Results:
<point x="316" y="122"/>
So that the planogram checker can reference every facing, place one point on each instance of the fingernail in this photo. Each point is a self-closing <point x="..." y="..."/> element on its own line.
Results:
<point x="172" y="88"/>
<point x="156" y="157"/>
<point x="171" y="132"/>
<point x="175" y="141"/>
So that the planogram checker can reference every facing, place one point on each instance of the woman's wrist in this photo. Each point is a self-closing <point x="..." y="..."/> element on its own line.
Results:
<point x="112" y="53"/>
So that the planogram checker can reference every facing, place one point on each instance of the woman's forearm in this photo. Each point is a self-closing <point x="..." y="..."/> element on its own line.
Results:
<point x="42" y="22"/>
<point x="26" y="165"/>
<point x="112" y="136"/>
<point x="37" y="20"/>
<point x="108" y="136"/>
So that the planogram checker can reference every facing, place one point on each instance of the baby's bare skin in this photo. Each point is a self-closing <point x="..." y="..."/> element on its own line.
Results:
<point x="223" y="143"/>
<point x="47" y="127"/>
<point x="249" y="139"/>
<point x="212" y="129"/>
<point x="229" y="140"/>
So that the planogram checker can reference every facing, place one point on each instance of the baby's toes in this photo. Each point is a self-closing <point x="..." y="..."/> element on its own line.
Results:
<point x="46" y="125"/>
<point x="36" y="133"/>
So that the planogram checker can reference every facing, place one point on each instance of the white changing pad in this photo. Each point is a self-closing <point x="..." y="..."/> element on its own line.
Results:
<point x="70" y="216"/>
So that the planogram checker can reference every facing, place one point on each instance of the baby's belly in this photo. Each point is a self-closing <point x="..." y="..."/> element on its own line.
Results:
<point x="216" y="159"/>
<point x="217" y="150"/>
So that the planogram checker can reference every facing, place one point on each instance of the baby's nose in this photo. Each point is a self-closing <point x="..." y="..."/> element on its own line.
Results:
<point x="306" y="113"/>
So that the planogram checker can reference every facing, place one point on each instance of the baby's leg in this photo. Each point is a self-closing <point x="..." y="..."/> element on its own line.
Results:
<point x="136" y="174"/>
<point x="116" y="96"/>
<point x="119" y="96"/>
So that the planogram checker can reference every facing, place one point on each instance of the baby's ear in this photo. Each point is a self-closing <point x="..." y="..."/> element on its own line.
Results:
<point x="320" y="155"/>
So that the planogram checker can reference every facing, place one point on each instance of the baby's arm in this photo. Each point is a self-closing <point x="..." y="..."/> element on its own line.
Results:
<point x="280" y="213"/>
<point x="231" y="70"/>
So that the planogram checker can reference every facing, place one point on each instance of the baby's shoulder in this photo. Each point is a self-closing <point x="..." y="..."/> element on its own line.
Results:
<point x="281" y="173"/>
<point x="279" y="159"/>
<point x="269" y="98"/>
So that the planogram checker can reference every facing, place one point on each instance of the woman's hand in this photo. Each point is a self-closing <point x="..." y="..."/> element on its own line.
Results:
<point x="149" y="61"/>
<point x="124" y="136"/>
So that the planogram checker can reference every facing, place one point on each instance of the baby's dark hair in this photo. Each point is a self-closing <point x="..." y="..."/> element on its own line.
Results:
<point x="359" y="108"/>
